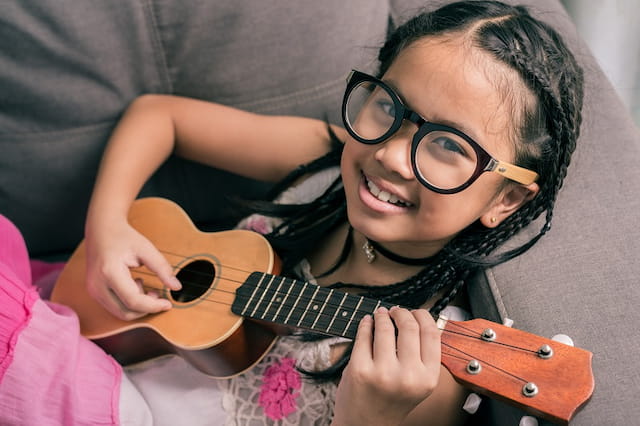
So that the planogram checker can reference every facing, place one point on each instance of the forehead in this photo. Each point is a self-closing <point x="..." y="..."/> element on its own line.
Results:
<point x="448" y="81"/>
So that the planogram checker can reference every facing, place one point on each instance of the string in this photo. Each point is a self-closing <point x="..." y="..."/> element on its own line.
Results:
<point x="496" y="342"/>
<point x="356" y="313"/>
<point x="469" y="357"/>
<point x="482" y="361"/>
<point x="360" y="312"/>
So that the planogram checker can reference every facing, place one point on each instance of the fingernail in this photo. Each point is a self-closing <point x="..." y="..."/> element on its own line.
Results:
<point x="177" y="285"/>
<point x="382" y="310"/>
<point x="166" y="305"/>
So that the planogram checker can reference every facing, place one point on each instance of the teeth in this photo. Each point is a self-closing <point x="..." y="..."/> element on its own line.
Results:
<point x="373" y="188"/>
<point x="385" y="196"/>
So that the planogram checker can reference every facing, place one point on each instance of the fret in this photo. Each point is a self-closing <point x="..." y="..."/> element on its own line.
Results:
<point x="353" y="313"/>
<point x="256" y="276"/>
<point x="253" y="313"/>
<point x="275" y="297"/>
<point x="330" y="300"/>
<point x="306" y="309"/>
<point x="324" y="305"/>
<point x="336" y="313"/>
<point x="295" y="294"/>
<point x="367" y="307"/>
<point x="290" y="287"/>
<point x="269" y="295"/>
<point x="299" y="309"/>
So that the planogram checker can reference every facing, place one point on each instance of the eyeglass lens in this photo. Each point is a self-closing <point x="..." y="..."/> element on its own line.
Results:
<point x="443" y="159"/>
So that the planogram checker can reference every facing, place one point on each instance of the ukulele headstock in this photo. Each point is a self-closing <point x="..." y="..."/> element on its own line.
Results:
<point x="543" y="377"/>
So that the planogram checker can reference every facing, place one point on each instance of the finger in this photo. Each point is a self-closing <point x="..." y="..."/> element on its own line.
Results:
<point x="109" y="301"/>
<point x="430" y="343"/>
<point x="132" y="297"/>
<point x="158" y="264"/>
<point x="408" y="340"/>
<point x="117" y="308"/>
<point x="362" y="346"/>
<point x="384" y="336"/>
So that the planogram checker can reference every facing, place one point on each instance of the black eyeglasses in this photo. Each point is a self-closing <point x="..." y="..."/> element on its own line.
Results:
<point x="444" y="159"/>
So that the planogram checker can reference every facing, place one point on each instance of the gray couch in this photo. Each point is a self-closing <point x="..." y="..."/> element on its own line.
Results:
<point x="68" y="68"/>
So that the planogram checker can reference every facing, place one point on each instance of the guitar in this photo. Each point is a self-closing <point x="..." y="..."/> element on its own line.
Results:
<point x="230" y="276"/>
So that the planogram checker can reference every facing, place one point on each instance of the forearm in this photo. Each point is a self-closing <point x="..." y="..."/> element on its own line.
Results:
<point x="141" y="142"/>
<point x="252" y="145"/>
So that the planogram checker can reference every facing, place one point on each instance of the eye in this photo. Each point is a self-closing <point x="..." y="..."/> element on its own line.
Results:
<point x="387" y="107"/>
<point x="449" y="145"/>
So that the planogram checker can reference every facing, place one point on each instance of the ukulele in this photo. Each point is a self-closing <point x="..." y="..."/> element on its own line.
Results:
<point x="230" y="276"/>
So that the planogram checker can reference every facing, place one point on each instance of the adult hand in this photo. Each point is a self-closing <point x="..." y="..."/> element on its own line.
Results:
<point x="387" y="377"/>
<point x="111" y="251"/>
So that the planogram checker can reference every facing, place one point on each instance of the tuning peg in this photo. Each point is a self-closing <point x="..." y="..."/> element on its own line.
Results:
<point x="528" y="421"/>
<point x="472" y="403"/>
<point x="563" y="338"/>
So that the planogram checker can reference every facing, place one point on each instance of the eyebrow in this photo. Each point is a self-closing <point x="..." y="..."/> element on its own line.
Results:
<point x="436" y="120"/>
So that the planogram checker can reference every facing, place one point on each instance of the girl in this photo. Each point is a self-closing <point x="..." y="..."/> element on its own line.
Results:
<point x="461" y="140"/>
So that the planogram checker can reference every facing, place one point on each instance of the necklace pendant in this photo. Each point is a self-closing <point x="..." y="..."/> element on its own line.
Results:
<point x="369" y="251"/>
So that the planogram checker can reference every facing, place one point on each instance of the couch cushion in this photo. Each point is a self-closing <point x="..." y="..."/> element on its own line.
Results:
<point x="68" y="70"/>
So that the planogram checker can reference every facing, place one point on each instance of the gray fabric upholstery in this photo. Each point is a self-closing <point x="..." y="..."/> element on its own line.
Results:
<point x="69" y="68"/>
<point x="581" y="278"/>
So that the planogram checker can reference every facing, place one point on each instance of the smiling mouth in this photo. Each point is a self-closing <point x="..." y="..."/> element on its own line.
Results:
<point x="385" y="196"/>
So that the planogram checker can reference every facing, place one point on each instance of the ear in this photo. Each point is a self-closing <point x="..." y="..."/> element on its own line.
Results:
<point x="508" y="202"/>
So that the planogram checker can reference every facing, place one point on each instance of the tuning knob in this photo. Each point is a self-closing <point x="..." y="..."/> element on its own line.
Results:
<point x="545" y="352"/>
<point x="530" y="390"/>
<point x="474" y="367"/>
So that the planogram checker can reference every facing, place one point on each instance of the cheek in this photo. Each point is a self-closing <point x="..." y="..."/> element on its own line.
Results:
<point x="450" y="214"/>
<point x="352" y="156"/>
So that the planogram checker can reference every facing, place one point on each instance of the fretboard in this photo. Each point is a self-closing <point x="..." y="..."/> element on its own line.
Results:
<point x="301" y="304"/>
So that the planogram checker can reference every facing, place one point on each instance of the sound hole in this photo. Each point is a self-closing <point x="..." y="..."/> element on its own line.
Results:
<point x="196" y="278"/>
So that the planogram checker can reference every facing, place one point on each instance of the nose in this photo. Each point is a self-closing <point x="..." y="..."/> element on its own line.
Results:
<point x="394" y="154"/>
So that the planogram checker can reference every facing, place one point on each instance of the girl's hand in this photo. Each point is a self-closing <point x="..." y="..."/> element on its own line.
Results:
<point x="111" y="251"/>
<point x="387" y="377"/>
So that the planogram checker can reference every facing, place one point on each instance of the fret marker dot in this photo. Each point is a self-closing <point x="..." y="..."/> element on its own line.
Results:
<point x="278" y="299"/>
<point x="315" y="307"/>
<point x="344" y="313"/>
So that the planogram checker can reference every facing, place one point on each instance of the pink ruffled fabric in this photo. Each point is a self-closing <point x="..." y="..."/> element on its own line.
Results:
<point x="44" y="276"/>
<point x="49" y="374"/>
<point x="278" y="394"/>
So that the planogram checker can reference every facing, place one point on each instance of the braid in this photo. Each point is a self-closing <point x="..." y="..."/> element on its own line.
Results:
<point x="549" y="70"/>
<point x="546" y="125"/>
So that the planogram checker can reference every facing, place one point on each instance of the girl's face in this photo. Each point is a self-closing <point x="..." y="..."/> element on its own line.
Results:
<point x="446" y="83"/>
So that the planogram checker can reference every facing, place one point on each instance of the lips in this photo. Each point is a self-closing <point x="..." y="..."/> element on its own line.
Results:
<point x="385" y="196"/>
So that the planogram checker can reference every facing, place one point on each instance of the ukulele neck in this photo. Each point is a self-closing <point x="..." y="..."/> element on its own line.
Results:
<point x="303" y="305"/>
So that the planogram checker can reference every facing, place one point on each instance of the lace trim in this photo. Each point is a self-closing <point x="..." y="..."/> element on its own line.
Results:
<point x="312" y="403"/>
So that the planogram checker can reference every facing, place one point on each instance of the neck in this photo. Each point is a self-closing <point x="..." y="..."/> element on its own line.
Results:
<point x="376" y="252"/>
<point x="328" y="267"/>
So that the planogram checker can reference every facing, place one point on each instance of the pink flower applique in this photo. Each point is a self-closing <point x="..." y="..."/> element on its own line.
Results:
<point x="258" y="223"/>
<point x="277" y="395"/>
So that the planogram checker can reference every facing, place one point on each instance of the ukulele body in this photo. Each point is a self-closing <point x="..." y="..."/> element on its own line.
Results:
<point x="200" y="327"/>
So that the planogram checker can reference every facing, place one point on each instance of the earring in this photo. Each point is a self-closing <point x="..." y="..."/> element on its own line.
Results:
<point x="494" y="220"/>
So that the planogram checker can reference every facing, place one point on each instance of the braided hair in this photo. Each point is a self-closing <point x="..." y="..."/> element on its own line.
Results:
<point x="544" y="136"/>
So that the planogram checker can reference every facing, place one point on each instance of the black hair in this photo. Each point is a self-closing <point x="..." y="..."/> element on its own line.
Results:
<point x="545" y="138"/>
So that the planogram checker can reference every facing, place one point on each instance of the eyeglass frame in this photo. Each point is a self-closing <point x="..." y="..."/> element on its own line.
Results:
<point x="485" y="161"/>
